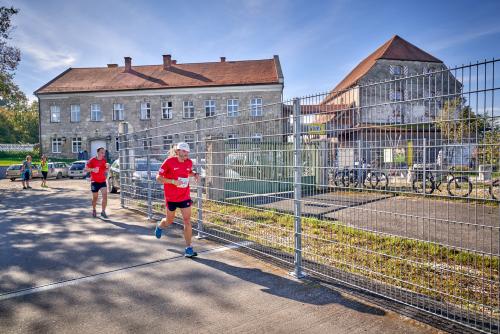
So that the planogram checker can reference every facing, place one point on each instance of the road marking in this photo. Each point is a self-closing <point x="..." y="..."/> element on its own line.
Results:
<point x="94" y="277"/>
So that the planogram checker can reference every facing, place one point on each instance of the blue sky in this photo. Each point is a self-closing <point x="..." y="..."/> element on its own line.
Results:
<point x="318" y="42"/>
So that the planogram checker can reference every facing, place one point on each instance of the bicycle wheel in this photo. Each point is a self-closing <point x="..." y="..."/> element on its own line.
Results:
<point x="459" y="186"/>
<point x="371" y="180"/>
<point x="495" y="189"/>
<point x="337" y="179"/>
<point x="382" y="180"/>
<point x="418" y="185"/>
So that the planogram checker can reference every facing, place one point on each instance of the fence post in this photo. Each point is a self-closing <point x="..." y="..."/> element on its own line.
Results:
<point x="123" y="158"/>
<point x="359" y="170"/>
<point x="199" y="193"/>
<point x="424" y="173"/>
<point x="148" y="165"/>
<point x="297" y="189"/>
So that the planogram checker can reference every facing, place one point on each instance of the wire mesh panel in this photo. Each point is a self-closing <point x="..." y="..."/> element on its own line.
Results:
<point x="391" y="186"/>
<point x="411" y="210"/>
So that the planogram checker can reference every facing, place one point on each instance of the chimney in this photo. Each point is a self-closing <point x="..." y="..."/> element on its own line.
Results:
<point x="128" y="64"/>
<point x="112" y="65"/>
<point x="174" y="62"/>
<point x="222" y="59"/>
<point x="167" y="62"/>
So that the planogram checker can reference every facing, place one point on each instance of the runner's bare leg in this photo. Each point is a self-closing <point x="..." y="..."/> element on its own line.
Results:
<point x="104" y="192"/>
<point x="94" y="199"/>
<point x="165" y="222"/>
<point x="188" y="229"/>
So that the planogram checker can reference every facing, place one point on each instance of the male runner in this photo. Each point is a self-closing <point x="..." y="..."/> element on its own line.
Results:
<point x="174" y="173"/>
<point x="97" y="166"/>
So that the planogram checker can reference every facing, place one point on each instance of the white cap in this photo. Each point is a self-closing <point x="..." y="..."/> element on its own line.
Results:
<point x="183" y="146"/>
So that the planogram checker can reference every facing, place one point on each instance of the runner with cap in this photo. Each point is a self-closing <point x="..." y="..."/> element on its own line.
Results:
<point x="174" y="173"/>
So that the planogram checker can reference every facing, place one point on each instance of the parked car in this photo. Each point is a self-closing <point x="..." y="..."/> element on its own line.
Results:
<point x="114" y="177"/>
<point x="58" y="170"/>
<point x="77" y="169"/>
<point x="13" y="172"/>
<point x="138" y="176"/>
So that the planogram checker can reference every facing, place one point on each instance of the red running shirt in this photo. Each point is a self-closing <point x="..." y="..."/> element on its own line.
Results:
<point x="100" y="176"/>
<point x="173" y="169"/>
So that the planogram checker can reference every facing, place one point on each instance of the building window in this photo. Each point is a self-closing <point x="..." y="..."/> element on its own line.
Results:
<point x="232" y="140"/>
<point x="118" y="112"/>
<point x="256" y="106"/>
<point x="56" y="145"/>
<point x="117" y="144"/>
<point x="189" y="139"/>
<point x="167" y="142"/>
<point x="396" y="95"/>
<point x="95" y="112"/>
<point x="145" y="110"/>
<point x="147" y="143"/>
<point x="257" y="138"/>
<point x="209" y="108"/>
<point x="233" y="107"/>
<point x="55" y="114"/>
<point x="166" y="109"/>
<point x="188" y="109"/>
<point x="396" y="69"/>
<point x="75" y="113"/>
<point x="76" y="145"/>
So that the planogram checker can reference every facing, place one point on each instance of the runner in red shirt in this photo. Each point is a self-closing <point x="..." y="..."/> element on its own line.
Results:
<point x="97" y="166"/>
<point x="174" y="173"/>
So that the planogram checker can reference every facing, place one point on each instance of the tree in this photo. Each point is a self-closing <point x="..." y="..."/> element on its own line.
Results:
<point x="19" y="123"/>
<point x="458" y="123"/>
<point x="10" y="57"/>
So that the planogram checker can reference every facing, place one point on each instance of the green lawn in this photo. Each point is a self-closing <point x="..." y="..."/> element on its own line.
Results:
<point x="467" y="279"/>
<point x="9" y="161"/>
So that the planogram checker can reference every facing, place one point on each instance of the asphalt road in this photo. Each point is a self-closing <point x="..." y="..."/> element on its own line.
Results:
<point x="62" y="271"/>
<point x="469" y="225"/>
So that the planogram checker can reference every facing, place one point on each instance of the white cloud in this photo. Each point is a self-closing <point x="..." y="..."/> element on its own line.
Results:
<point x="462" y="38"/>
<point x="47" y="58"/>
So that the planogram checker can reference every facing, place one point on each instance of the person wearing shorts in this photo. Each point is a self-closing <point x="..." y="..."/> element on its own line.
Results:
<point x="174" y="173"/>
<point x="26" y="172"/>
<point x="97" y="166"/>
<point x="45" y="170"/>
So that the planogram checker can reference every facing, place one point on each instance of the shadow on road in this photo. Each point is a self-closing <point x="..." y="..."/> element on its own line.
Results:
<point x="288" y="288"/>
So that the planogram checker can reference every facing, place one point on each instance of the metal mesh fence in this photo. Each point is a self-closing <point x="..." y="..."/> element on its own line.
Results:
<point x="391" y="186"/>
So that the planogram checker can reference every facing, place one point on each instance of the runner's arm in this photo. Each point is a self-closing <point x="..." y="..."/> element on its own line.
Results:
<point x="163" y="180"/>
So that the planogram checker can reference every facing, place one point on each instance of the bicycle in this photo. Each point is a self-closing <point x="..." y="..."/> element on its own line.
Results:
<point x="457" y="186"/>
<point x="494" y="189"/>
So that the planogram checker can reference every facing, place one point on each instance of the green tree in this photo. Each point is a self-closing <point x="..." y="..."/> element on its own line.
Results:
<point x="19" y="123"/>
<point x="458" y="123"/>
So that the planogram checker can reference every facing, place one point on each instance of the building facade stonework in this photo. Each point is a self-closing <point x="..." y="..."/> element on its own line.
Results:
<point x="77" y="117"/>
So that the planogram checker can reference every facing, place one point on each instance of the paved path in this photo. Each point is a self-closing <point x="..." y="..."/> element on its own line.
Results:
<point x="63" y="272"/>
<point x="470" y="225"/>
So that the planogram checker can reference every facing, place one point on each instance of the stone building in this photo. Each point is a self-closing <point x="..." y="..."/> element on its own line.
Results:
<point x="393" y="96"/>
<point x="80" y="109"/>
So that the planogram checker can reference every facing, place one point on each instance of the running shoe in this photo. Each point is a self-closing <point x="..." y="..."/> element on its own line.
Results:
<point x="104" y="215"/>
<point x="94" y="213"/>
<point x="158" y="231"/>
<point x="189" y="252"/>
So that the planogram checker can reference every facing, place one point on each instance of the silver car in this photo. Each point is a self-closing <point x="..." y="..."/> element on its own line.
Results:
<point x="77" y="169"/>
<point x="13" y="172"/>
<point x="58" y="170"/>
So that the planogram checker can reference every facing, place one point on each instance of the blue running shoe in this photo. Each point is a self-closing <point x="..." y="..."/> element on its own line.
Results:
<point x="158" y="232"/>
<point x="190" y="252"/>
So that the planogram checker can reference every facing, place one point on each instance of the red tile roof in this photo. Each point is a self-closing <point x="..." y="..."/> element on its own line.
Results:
<point x="394" y="49"/>
<point x="228" y="73"/>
